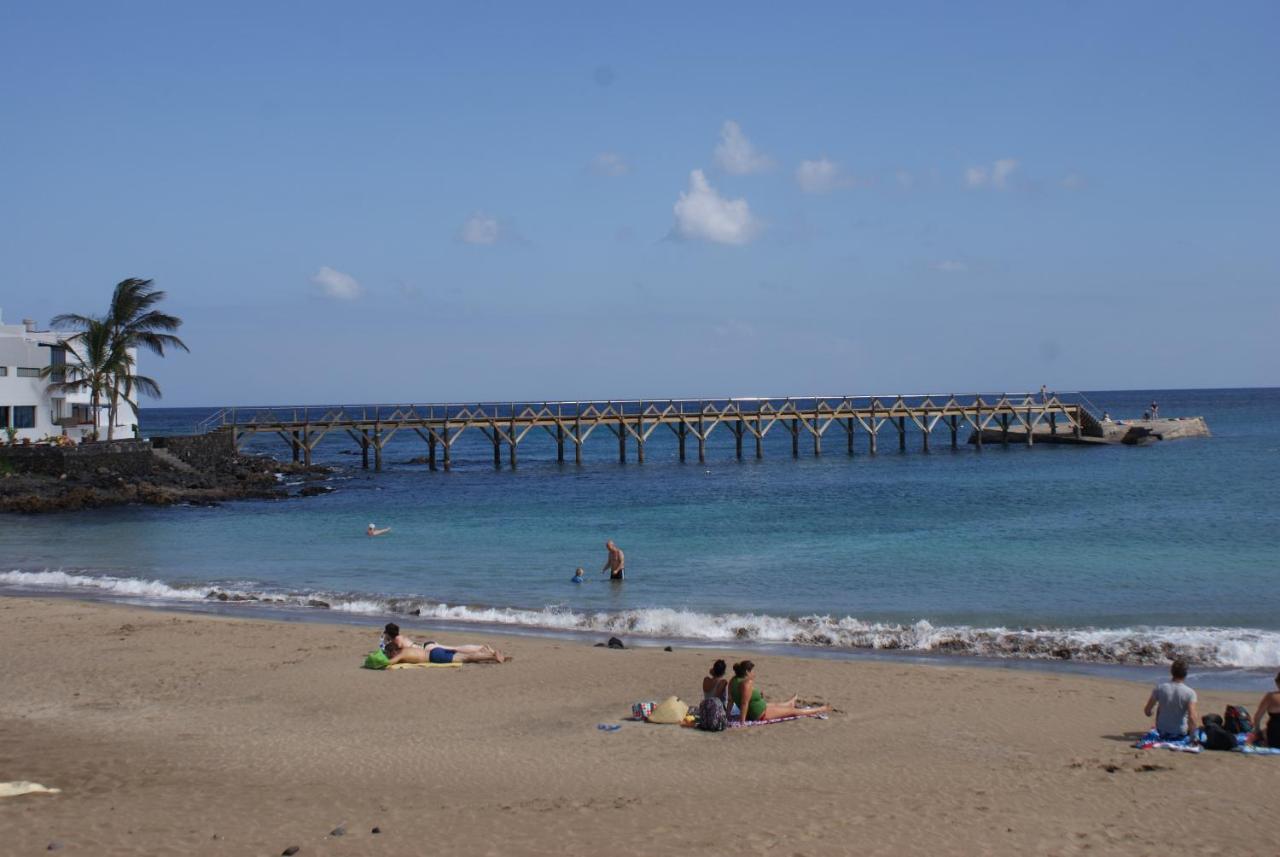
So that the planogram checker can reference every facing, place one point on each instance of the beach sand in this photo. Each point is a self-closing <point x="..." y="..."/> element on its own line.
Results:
<point x="193" y="734"/>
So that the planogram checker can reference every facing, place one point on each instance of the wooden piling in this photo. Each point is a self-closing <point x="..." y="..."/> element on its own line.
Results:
<point x="702" y="442"/>
<point x="1030" y="433"/>
<point x="560" y="442"/>
<point x="497" y="447"/>
<point x="448" y="446"/>
<point x="848" y="428"/>
<point x="902" y="434"/>
<point x="364" y="448"/>
<point x="955" y="430"/>
<point x="682" y="428"/>
<point x="377" y="448"/>
<point x="739" y="427"/>
<point x="431" y="451"/>
<point x="795" y="438"/>
<point x="1004" y="429"/>
<point x="759" y="433"/>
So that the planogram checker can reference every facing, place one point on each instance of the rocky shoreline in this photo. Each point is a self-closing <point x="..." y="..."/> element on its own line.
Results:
<point x="164" y="482"/>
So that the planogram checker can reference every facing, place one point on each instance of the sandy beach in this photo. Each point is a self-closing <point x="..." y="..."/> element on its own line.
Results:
<point x="192" y="734"/>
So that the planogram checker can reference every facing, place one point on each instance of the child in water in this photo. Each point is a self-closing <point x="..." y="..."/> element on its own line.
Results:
<point x="577" y="576"/>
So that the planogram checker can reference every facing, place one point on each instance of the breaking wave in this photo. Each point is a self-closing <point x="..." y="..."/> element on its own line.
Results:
<point x="1227" y="647"/>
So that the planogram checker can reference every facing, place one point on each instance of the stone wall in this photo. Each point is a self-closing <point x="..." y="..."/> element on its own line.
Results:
<point x="122" y="457"/>
<point x="204" y="452"/>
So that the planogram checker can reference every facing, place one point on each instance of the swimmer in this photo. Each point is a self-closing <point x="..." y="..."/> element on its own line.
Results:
<point x="374" y="531"/>
<point x="577" y="576"/>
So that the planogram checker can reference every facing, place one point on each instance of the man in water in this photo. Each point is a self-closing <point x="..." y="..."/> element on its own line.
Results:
<point x="615" y="561"/>
<point x="1174" y="704"/>
<point x="402" y="650"/>
<point x="374" y="531"/>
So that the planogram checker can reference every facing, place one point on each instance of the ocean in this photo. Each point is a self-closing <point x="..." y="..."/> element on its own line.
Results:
<point x="1052" y="554"/>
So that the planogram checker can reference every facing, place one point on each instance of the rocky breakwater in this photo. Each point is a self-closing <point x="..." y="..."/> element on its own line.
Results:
<point x="199" y="470"/>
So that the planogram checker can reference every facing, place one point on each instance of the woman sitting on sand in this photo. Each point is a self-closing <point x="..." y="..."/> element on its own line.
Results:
<point x="751" y="703"/>
<point x="401" y="650"/>
<point x="714" y="685"/>
<point x="1270" y="705"/>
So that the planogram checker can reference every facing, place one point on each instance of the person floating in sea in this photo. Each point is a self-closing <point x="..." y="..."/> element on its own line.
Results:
<point x="614" y="562"/>
<point x="400" y="649"/>
<point x="577" y="576"/>
<point x="1174" y="704"/>
<point x="374" y="531"/>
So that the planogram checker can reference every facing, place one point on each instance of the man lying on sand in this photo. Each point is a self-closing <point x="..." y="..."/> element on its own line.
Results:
<point x="402" y="650"/>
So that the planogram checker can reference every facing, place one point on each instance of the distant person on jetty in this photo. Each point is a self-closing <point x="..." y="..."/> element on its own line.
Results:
<point x="402" y="650"/>
<point x="1155" y="411"/>
<point x="1044" y="393"/>
<point x="615" y="561"/>
<point x="1174" y="704"/>
<point x="374" y="531"/>
<point x="577" y="576"/>
<point x="751" y="703"/>
<point x="1270" y="705"/>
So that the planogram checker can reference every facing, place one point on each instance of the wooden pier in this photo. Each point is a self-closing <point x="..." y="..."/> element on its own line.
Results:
<point x="691" y="421"/>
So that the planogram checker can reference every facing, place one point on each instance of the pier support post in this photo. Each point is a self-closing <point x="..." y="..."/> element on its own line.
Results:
<point x="577" y="440"/>
<point x="681" y="431"/>
<point x="954" y="431"/>
<point x="364" y="448"/>
<point x="739" y="427"/>
<point x="297" y="448"/>
<point x="1030" y="433"/>
<point x="1004" y="429"/>
<point x="622" y="441"/>
<point x="1053" y="423"/>
<point x="873" y="435"/>
<point x="795" y="438"/>
<point x="306" y="445"/>
<point x="977" y="420"/>
<point x="640" y="440"/>
<point x="817" y="439"/>
<point x="902" y="434"/>
<point x="431" y="451"/>
<point x="759" y="440"/>
<point x="560" y="443"/>
<point x="513" y="440"/>
<point x="448" y="447"/>
<point x="924" y="434"/>
<point x="848" y="428"/>
<point x="497" y="448"/>
<point x="702" y="442"/>
<point x="377" y="449"/>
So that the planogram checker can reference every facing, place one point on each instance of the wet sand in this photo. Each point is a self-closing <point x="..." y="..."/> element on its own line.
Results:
<point x="190" y="734"/>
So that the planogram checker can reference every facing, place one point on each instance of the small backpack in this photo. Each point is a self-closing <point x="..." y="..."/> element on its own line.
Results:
<point x="711" y="715"/>
<point x="1217" y="738"/>
<point x="1237" y="719"/>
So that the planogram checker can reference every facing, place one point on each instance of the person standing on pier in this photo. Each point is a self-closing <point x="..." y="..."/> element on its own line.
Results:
<point x="1155" y="411"/>
<point x="615" y="561"/>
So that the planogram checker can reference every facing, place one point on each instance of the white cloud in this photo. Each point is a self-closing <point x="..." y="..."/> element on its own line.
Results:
<point x="610" y="164"/>
<point x="996" y="175"/>
<point x="337" y="285"/>
<point x="703" y="213"/>
<point x="735" y="153"/>
<point x="481" y="228"/>
<point x="951" y="266"/>
<point x="821" y="176"/>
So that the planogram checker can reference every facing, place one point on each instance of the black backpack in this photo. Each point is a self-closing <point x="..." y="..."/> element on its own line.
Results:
<point x="1237" y="720"/>
<point x="1217" y="738"/>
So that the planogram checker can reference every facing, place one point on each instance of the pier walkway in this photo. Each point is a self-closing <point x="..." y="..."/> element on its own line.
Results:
<point x="633" y="422"/>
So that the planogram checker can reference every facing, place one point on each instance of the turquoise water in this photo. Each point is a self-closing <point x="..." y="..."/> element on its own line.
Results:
<point x="1105" y="554"/>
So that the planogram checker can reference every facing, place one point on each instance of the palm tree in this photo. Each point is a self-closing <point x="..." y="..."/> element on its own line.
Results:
<point x="95" y="363"/>
<point x="133" y="323"/>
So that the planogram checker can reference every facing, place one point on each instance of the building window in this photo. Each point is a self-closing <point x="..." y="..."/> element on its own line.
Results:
<point x="24" y="416"/>
<point x="4" y="416"/>
<point x="28" y="372"/>
<point x="4" y="370"/>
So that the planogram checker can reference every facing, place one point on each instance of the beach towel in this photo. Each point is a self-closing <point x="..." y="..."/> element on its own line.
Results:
<point x="424" y="666"/>
<point x="22" y="787"/>
<point x="1255" y="750"/>
<point x="735" y="724"/>
<point x="1152" y="741"/>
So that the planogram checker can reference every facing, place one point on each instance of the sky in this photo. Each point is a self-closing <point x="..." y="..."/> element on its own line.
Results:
<point x="424" y="202"/>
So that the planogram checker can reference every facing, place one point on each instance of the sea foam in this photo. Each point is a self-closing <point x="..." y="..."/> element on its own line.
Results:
<point x="1227" y="647"/>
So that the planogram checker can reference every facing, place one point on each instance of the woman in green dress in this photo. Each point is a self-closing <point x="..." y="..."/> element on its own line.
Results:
<point x="751" y="702"/>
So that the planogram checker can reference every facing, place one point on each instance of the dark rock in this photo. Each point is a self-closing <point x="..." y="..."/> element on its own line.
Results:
<point x="668" y="649"/>
<point x="54" y="846"/>
<point x="314" y="490"/>
<point x="615" y="643"/>
<point x="340" y="830"/>
<point x="290" y="851"/>
<point x="316" y="602"/>
<point x="376" y="830"/>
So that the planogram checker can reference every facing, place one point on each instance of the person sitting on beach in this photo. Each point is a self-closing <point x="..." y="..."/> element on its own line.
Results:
<point x="1174" y="703"/>
<point x="1270" y="705"/>
<point x="577" y="576"/>
<point x="374" y="531"/>
<point x="402" y="650"/>
<point x="615" y="561"/>
<point x="715" y="686"/>
<point x="751" y="703"/>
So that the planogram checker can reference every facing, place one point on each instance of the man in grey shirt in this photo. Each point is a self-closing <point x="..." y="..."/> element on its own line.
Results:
<point x="1174" y="704"/>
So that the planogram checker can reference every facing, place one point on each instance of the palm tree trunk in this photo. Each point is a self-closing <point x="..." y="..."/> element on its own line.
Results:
<point x="111" y="412"/>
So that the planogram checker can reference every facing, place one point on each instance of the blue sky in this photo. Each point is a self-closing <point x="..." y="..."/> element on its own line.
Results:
<point x="424" y="201"/>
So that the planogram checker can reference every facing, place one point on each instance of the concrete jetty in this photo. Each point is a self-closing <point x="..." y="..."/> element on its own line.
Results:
<point x="1100" y="432"/>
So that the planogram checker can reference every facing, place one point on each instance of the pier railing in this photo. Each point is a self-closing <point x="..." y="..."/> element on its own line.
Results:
<point x="633" y="421"/>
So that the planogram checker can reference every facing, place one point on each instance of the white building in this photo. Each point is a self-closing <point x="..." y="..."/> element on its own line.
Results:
<point x="26" y="404"/>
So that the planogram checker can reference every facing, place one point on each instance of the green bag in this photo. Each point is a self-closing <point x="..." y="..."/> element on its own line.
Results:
<point x="376" y="661"/>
